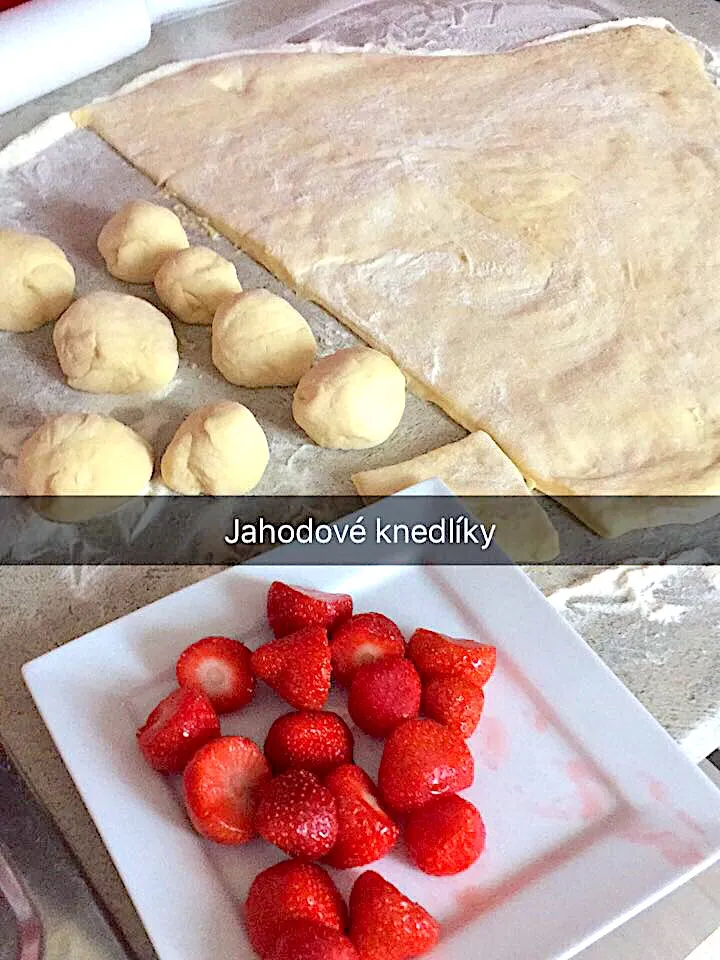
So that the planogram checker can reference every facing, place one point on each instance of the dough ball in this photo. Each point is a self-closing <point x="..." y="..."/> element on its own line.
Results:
<point x="259" y="340"/>
<point x="114" y="343"/>
<point x="350" y="400"/>
<point x="193" y="282"/>
<point x="84" y="453"/>
<point x="138" y="239"/>
<point x="219" y="449"/>
<point x="37" y="281"/>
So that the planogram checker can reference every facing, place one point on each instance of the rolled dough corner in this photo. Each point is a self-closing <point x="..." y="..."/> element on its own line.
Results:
<point x="476" y="467"/>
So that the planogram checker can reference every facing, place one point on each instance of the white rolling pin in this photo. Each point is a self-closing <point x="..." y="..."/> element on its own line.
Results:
<point x="45" y="44"/>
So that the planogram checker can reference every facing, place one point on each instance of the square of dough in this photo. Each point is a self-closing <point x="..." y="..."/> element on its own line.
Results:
<point x="476" y="467"/>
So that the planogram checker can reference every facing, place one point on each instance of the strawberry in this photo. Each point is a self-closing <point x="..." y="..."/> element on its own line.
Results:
<point x="455" y="700"/>
<point x="220" y="668"/>
<point x="305" y="940"/>
<point x="383" y="694"/>
<point x="445" y="837"/>
<point x="221" y="785"/>
<point x="435" y="654"/>
<point x="291" y="890"/>
<point x="385" y="925"/>
<point x="362" y="639"/>
<point x="177" y="727"/>
<point x="298" y="814"/>
<point x="423" y="760"/>
<point x="309" y="740"/>
<point x="365" y="831"/>
<point x="290" y="608"/>
<point x="297" y="667"/>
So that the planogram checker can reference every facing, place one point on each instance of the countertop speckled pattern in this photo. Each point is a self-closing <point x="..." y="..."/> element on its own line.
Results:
<point x="672" y="665"/>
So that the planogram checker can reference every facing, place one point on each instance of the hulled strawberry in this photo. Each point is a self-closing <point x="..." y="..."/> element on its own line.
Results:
<point x="314" y="740"/>
<point x="385" y="924"/>
<point x="445" y="837"/>
<point x="221" y="786"/>
<point x="435" y="654"/>
<point x="298" y="814"/>
<point x="177" y="727"/>
<point x="455" y="700"/>
<point x="220" y="668"/>
<point x="423" y="760"/>
<point x="383" y="694"/>
<point x="297" y="667"/>
<point x="362" y="639"/>
<point x="291" y="890"/>
<point x="305" y="940"/>
<point x="365" y="831"/>
<point x="290" y="608"/>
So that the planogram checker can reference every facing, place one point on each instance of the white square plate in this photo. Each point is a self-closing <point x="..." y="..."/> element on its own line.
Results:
<point x="592" y="811"/>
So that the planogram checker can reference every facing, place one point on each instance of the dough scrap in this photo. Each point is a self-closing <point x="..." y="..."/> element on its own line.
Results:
<point x="37" y="281"/>
<point x="259" y="340"/>
<point x="110" y="342"/>
<point x="476" y="467"/>
<point x="137" y="239"/>
<point x="78" y="454"/>
<point x="194" y="282"/>
<point x="535" y="243"/>
<point x="219" y="450"/>
<point x="350" y="400"/>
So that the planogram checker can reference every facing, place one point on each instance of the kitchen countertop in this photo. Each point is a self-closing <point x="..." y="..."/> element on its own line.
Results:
<point x="71" y="601"/>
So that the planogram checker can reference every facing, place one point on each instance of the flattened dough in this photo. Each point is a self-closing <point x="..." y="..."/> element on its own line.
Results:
<point x="532" y="236"/>
<point x="476" y="467"/>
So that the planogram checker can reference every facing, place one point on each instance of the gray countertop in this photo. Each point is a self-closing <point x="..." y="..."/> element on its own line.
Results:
<point x="671" y="662"/>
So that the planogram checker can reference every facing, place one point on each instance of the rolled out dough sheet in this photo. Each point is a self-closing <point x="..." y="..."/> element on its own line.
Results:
<point x="476" y="467"/>
<point x="533" y="235"/>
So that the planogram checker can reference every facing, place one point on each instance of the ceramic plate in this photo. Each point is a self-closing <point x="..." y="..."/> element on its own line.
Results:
<point x="592" y="811"/>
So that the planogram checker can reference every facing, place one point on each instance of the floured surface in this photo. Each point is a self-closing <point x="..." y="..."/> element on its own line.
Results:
<point x="530" y="200"/>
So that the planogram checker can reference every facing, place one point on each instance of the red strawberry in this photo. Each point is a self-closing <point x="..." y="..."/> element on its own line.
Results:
<point x="222" y="782"/>
<point x="298" y="814"/>
<point x="290" y="608"/>
<point x="365" y="832"/>
<point x="423" y="760"/>
<point x="435" y="654"/>
<point x="455" y="700"/>
<point x="362" y="639"/>
<point x="297" y="667"/>
<point x="177" y="727"/>
<point x="383" y="694"/>
<point x="291" y="890"/>
<point x="385" y="925"/>
<point x="305" y="940"/>
<point x="446" y="836"/>
<point x="309" y="740"/>
<point x="220" y="668"/>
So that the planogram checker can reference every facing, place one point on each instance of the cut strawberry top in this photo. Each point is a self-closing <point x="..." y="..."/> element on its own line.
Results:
<point x="291" y="608"/>
<point x="221" y="785"/>
<point x="435" y="654"/>
<point x="362" y="639"/>
<point x="220" y="668"/>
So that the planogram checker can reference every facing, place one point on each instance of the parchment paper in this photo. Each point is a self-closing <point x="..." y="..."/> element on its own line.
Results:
<point x="656" y="627"/>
